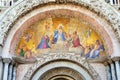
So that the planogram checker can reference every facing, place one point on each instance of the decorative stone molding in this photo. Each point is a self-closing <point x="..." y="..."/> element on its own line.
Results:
<point x="45" y="58"/>
<point x="98" y="60"/>
<point x="110" y="61"/>
<point x="21" y="60"/>
<point x="62" y="1"/>
<point x="10" y="16"/>
<point x="61" y="71"/>
<point x="6" y="60"/>
<point x="116" y="59"/>
<point x="14" y="63"/>
<point x="106" y="63"/>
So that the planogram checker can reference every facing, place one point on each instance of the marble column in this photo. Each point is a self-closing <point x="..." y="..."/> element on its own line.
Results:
<point x="111" y="2"/>
<point x="117" y="67"/>
<point x="10" y="70"/>
<point x="118" y="1"/>
<point x="1" y="68"/>
<point x="108" y="70"/>
<point x="6" y="62"/>
<point x="5" y="3"/>
<point x="1" y="47"/>
<point x="14" y="72"/>
<point x="112" y="70"/>
<point x="108" y="1"/>
<point x="1" y="3"/>
<point x="12" y="2"/>
<point x="115" y="2"/>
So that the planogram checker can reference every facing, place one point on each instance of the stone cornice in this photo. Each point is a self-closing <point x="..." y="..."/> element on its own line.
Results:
<point x="23" y="6"/>
<point x="116" y="59"/>
<point x="98" y="60"/>
<point x="21" y="60"/>
<point x="6" y="60"/>
<point x="110" y="61"/>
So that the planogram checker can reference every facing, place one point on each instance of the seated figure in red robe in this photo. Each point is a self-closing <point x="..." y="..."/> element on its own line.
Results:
<point x="76" y="40"/>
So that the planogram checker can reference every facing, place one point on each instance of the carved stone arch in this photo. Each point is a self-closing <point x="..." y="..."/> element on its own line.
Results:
<point x="61" y="60"/>
<point x="22" y="7"/>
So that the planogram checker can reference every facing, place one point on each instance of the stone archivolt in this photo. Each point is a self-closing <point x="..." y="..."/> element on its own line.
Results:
<point x="69" y="57"/>
<point x="8" y="19"/>
<point x="61" y="72"/>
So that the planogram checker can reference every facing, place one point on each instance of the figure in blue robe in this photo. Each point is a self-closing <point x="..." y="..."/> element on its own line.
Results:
<point x="57" y="34"/>
<point x="93" y="53"/>
<point x="44" y="43"/>
<point x="97" y="52"/>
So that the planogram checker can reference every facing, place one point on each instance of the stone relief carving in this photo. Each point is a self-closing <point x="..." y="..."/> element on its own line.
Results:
<point x="61" y="71"/>
<point x="63" y="56"/>
<point x="101" y="8"/>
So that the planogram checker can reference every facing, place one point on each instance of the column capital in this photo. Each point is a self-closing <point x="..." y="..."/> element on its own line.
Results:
<point x="0" y="58"/>
<point x="106" y="63"/>
<point x="110" y="61"/>
<point x="6" y="60"/>
<point x="1" y="45"/>
<point x="14" y="63"/>
<point x="116" y="59"/>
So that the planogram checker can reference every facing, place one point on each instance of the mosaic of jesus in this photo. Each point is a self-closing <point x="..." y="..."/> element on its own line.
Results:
<point x="60" y="35"/>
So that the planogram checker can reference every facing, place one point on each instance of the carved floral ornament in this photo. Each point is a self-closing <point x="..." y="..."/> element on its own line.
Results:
<point x="45" y="58"/>
<point x="13" y="13"/>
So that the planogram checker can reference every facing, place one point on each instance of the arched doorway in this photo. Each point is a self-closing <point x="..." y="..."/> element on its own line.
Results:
<point x="38" y="13"/>
<point x="56" y="66"/>
<point x="26" y="18"/>
<point x="62" y="70"/>
<point x="61" y="73"/>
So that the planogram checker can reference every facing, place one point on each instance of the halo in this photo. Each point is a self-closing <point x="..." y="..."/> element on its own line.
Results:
<point x="60" y="26"/>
